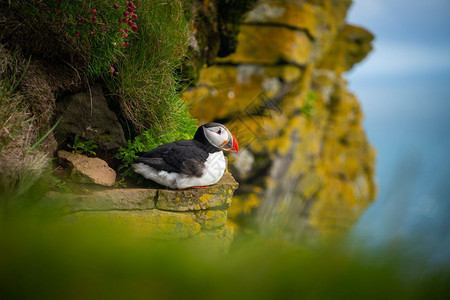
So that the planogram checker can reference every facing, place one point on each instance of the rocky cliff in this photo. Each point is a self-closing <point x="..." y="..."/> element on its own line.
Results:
<point x="306" y="167"/>
<point x="271" y="70"/>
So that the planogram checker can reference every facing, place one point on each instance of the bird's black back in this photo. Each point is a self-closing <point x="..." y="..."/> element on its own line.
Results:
<point x="185" y="157"/>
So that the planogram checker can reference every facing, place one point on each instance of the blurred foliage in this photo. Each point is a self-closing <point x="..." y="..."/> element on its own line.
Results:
<point x="308" y="109"/>
<point x="43" y="255"/>
<point x="55" y="260"/>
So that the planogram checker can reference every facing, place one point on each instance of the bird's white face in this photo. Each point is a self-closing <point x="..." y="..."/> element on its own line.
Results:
<point x="220" y="137"/>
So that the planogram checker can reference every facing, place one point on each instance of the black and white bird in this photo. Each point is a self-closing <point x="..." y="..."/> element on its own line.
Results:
<point x="189" y="163"/>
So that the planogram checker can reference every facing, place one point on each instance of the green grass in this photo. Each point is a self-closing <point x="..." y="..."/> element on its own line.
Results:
<point x="83" y="147"/>
<point x="20" y="163"/>
<point x="55" y="260"/>
<point x="148" y="85"/>
<point x="100" y="41"/>
<point x="143" y="77"/>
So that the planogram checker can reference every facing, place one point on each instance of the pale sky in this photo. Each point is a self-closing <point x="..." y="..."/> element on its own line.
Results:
<point x="404" y="89"/>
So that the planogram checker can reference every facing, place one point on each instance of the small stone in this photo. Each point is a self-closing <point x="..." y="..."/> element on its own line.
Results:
<point x="87" y="169"/>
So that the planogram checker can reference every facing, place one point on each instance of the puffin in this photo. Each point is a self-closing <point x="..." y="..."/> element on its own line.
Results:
<point x="184" y="164"/>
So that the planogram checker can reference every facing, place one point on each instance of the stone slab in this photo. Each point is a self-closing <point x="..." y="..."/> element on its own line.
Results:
<point x="217" y="195"/>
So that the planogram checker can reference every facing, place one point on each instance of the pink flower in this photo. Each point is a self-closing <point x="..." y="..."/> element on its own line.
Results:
<point x="112" y="69"/>
<point x="94" y="11"/>
<point x="91" y="33"/>
<point x="125" y="36"/>
<point x="94" y="19"/>
<point x="134" y="27"/>
<point x="116" y="6"/>
<point x="134" y="16"/>
<point x="77" y="34"/>
<point x="125" y="13"/>
<point x="121" y="29"/>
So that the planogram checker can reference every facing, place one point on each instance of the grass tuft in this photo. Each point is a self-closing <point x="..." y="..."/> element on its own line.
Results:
<point x="20" y="166"/>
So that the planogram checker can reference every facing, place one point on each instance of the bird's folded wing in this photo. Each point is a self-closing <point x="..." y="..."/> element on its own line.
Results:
<point x="173" y="157"/>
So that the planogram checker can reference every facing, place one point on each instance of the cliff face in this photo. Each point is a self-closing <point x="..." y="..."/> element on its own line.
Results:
<point x="270" y="70"/>
<point x="305" y="166"/>
<point x="194" y="214"/>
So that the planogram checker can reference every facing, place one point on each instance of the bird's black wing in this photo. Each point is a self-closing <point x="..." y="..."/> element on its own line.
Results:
<point x="185" y="157"/>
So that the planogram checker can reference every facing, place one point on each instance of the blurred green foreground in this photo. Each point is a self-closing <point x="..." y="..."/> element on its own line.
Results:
<point x="44" y="258"/>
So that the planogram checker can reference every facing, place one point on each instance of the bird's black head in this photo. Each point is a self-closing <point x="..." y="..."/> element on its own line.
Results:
<point x="216" y="135"/>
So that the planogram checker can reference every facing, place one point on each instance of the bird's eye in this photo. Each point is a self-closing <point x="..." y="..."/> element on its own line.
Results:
<point x="220" y="131"/>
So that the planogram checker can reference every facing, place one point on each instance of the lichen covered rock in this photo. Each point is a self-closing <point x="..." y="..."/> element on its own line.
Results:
<point x="200" y="214"/>
<point x="147" y="223"/>
<point x="215" y="196"/>
<point x="270" y="45"/>
<point x="305" y="167"/>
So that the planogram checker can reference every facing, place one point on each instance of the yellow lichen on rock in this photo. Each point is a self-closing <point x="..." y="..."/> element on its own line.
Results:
<point x="150" y="223"/>
<point x="270" y="45"/>
<point x="289" y="13"/>
<point x="225" y="90"/>
<point x="305" y="163"/>
<point x="153" y="213"/>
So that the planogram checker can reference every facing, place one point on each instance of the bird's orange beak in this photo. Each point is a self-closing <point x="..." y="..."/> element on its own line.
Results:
<point x="231" y="145"/>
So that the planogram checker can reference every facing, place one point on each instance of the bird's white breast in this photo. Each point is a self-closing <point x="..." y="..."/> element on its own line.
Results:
<point x="215" y="166"/>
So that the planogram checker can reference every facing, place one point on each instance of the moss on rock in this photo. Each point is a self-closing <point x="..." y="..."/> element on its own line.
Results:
<point x="306" y="166"/>
<point x="149" y="223"/>
<point x="270" y="45"/>
<point x="152" y="213"/>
